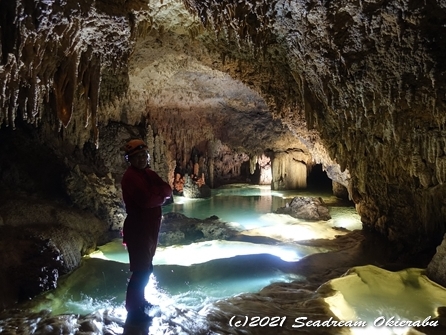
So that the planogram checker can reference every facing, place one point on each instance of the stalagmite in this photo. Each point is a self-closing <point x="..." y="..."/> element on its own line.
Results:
<point x="364" y="81"/>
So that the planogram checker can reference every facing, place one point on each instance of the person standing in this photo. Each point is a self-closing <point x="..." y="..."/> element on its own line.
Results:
<point x="143" y="192"/>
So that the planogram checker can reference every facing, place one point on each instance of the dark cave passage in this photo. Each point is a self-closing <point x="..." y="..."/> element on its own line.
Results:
<point x="317" y="179"/>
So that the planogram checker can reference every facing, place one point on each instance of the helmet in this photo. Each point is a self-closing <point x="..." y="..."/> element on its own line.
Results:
<point x="134" y="146"/>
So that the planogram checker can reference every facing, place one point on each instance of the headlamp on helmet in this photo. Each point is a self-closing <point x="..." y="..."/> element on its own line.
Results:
<point x="134" y="146"/>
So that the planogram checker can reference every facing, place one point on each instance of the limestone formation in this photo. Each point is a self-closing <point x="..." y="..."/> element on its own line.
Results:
<point x="356" y="86"/>
<point x="41" y="240"/>
<point x="178" y="229"/>
<point x="436" y="269"/>
<point x="306" y="208"/>
<point x="289" y="170"/>
<point x="194" y="190"/>
<point x="365" y="80"/>
<point x="27" y="271"/>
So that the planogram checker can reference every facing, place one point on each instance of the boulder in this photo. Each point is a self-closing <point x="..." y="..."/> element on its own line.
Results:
<point x="177" y="229"/>
<point x="193" y="190"/>
<point x="306" y="208"/>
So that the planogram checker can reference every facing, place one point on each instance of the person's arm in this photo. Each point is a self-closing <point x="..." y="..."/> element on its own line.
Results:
<point x="163" y="187"/>
<point x="137" y="192"/>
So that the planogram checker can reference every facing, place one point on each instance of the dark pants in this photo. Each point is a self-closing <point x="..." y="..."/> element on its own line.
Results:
<point x="135" y="289"/>
<point x="141" y="246"/>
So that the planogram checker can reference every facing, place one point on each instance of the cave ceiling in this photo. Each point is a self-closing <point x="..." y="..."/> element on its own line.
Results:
<point x="358" y="86"/>
<point x="181" y="92"/>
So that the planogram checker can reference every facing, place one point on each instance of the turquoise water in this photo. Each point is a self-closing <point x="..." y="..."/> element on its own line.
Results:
<point x="194" y="275"/>
<point x="248" y="205"/>
<point x="188" y="280"/>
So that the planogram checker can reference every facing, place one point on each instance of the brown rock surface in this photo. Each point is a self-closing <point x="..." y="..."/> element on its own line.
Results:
<point x="41" y="240"/>
<point x="306" y="208"/>
<point x="357" y="86"/>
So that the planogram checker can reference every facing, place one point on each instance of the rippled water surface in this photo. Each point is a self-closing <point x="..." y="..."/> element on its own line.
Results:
<point x="206" y="287"/>
<point x="196" y="274"/>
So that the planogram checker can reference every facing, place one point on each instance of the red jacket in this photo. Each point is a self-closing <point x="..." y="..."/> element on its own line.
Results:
<point x="143" y="192"/>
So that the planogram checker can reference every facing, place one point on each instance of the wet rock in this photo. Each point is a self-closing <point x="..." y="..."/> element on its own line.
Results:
<point x="441" y="311"/>
<point x="340" y="190"/>
<point x="177" y="228"/>
<point x="41" y="240"/>
<point x="29" y="263"/>
<point x="193" y="191"/>
<point x="24" y="210"/>
<point x="306" y="208"/>
<point x="436" y="270"/>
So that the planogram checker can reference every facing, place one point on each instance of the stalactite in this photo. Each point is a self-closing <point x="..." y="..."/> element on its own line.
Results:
<point x="65" y="82"/>
<point x="9" y="94"/>
<point x="245" y="22"/>
<point x="92" y="97"/>
<point x="157" y="156"/>
<point x="150" y="140"/>
<point x="265" y="170"/>
<point x="287" y="172"/>
<point x="34" y="100"/>
<point x="211" y="172"/>
<point x="440" y="166"/>
<point x="252" y="164"/>
<point x="431" y="148"/>
<point x="40" y="70"/>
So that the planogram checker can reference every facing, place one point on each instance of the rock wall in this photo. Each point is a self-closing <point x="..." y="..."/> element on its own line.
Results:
<point x="40" y="241"/>
<point x="54" y="54"/>
<point x="358" y="86"/>
<point x="373" y="83"/>
<point x="436" y="270"/>
<point x="289" y="170"/>
<point x="369" y="77"/>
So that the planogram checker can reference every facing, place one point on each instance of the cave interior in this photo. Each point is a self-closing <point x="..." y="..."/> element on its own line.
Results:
<point x="347" y="97"/>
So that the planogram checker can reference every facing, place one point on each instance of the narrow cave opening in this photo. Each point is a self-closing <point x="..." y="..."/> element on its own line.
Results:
<point x="317" y="179"/>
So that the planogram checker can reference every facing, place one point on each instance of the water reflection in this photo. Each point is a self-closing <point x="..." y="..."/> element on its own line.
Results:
<point x="244" y="207"/>
<point x="199" y="273"/>
<point x="201" y="252"/>
<point x="188" y="279"/>
<point x="198" y="288"/>
<point x="248" y="206"/>
<point x="102" y="283"/>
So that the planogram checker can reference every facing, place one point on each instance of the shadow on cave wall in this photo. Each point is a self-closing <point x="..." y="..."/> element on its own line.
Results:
<point x="27" y="165"/>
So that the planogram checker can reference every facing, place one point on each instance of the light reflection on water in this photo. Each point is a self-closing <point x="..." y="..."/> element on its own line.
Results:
<point x="247" y="205"/>
<point x="200" y="273"/>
